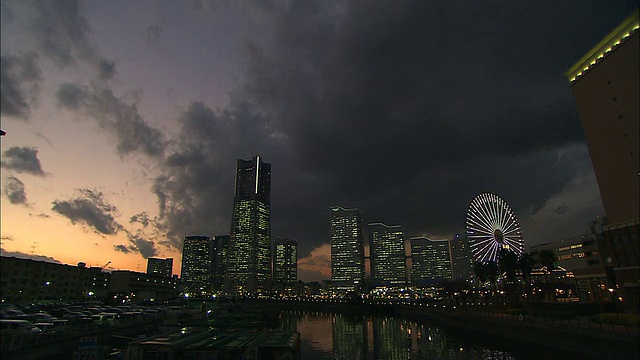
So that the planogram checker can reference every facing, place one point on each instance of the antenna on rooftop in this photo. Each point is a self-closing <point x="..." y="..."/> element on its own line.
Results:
<point x="33" y="249"/>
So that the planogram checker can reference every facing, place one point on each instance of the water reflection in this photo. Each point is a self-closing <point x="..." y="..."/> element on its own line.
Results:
<point x="353" y="337"/>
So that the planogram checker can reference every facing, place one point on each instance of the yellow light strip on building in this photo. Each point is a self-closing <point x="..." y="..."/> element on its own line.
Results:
<point x="626" y="29"/>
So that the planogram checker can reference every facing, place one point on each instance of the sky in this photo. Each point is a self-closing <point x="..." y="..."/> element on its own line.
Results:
<point x="125" y="119"/>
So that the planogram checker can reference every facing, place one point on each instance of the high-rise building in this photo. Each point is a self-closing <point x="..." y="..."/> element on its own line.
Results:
<point x="388" y="257"/>
<point x="605" y="84"/>
<point x="347" y="249"/>
<point x="285" y="261"/>
<point x="197" y="253"/>
<point x="158" y="266"/>
<point x="219" y="263"/>
<point x="461" y="259"/>
<point x="430" y="261"/>
<point x="250" y="238"/>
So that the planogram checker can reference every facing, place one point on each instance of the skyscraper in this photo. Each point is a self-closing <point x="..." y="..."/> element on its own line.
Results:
<point x="249" y="263"/>
<point x="219" y="265"/>
<point x="347" y="249"/>
<point x="285" y="261"/>
<point x="197" y="252"/>
<point x="430" y="261"/>
<point x="461" y="259"/>
<point x="605" y="84"/>
<point x="388" y="258"/>
<point x="162" y="267"/>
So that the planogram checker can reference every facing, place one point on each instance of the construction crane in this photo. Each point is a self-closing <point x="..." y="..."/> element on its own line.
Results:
<point x="105" y="265"/>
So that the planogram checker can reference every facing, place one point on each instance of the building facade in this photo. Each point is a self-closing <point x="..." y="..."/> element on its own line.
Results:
<point x="605" y="84"/>
<point x="347" y="250"/>
<point x="219" y="265"/>
<point x="250" y="236"/>
<point x="197" y="256"/>
<point x="430" y="261"/>
<point x="285" y="261"/>
<point x="156" y="266"/>
<point x="388" y="256"/>
<point x="461" y="258"/>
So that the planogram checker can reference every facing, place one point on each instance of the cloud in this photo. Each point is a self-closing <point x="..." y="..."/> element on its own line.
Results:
<point x="112" y="114"/>
<point x="7" y="237"/>
<point x="121" y="248"/>
<point x="153" y="33"/>
<point x="90" y="209"/>
<point x="146" y="248"/>
<point x="23" y="160"/>
<point x="20" y="79"/>
<point x="317" y="265"/>
<point x="21" y="255"/>
<point x="15" y="191"/>
<point x="61" y="33"/>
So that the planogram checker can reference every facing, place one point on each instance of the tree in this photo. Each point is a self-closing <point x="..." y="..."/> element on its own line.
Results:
<point x="525" y="264"/>
<point x="547" y="258"/>
<point x="508" y="264"/>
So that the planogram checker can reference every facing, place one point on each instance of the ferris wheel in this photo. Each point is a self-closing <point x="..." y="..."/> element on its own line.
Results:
<point x="492" y="226"/>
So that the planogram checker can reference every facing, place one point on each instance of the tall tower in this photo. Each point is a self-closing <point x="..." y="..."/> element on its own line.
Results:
<point x="285" y="261"/>
<point x="388" y="258"/>
<point x="249" y="263"/>
<point x="461" y="259"/>
<point x="196" y="264"/>
<point x="605" y="84"/>
<point x="220" y="256"/>
<point x="347" y="249"/>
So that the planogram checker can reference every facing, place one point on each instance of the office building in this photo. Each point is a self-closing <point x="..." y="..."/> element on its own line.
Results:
<point x="388" y="257"/>
<point x="219" y="265"/>
<point x="250" y="236"/>
<point x="461" y="258"/>
<point x="197" y="254"/>
<point x="347" y="250"/>
<point x="285" y="261"/>
<point x="430" y="261"/>
<point x="605" y="84"/>
<point x="162" y="267"/>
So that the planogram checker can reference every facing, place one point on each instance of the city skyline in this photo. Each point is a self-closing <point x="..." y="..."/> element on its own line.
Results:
<point x="122" y="130"/>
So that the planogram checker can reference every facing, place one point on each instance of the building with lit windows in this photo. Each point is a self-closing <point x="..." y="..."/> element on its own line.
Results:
<point x="388" y="257"/>
<point x="197" y="254"/>
<point x="285" y="261"/>
<point x="249" y="263"/>
<point x="605" y="84"/>
<point x="347" y="250"/>
<point x="430" y="261"/>
<point x="162" y="267"/>
<point x="219" y="265"/>
<point x="461" y="258"/>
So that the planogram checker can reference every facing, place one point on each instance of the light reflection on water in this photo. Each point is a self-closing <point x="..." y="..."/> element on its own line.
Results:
<point x="357" y="337"/>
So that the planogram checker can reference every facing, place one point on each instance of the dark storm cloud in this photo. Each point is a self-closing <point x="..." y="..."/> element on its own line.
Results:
<point x="146" y="248"/>
<point x="408" y="110"/>
<point x="62" y="33"/>
<point x="113" y="114"/>
<point x="195" y="192"/>
<point x="89" y="208"/>
<point x="15" y="191"/>
<point x="23" y="160"/>
<point x="19" y="84"/>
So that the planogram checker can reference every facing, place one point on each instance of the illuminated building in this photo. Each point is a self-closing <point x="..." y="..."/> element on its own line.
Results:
<point x="162" y="267"/>
<point x="220" y="253"/>
<point x="347" y="249"/>
<point x="250" y="245"/>
<point x="461" y="259"/>
<point x="605" y="84"/>
<point x="197" y="253"/>
<point x="430" y="261"/>
<point x="285" y="261"/>
<point x="388" y="257"/>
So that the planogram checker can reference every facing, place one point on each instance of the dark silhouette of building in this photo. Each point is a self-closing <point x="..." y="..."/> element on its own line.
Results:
<point x="219" y="265"/>
<point x="158" y="266"/>
<point x="347" y="250"/>
<point x="250" y="244"/>
<point x="605" y="84"/>
<point x="461" y="258"/>
<point x="388" y="256"/>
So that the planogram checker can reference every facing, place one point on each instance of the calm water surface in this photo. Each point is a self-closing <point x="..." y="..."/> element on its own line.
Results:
<point x="357" y="337"/>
